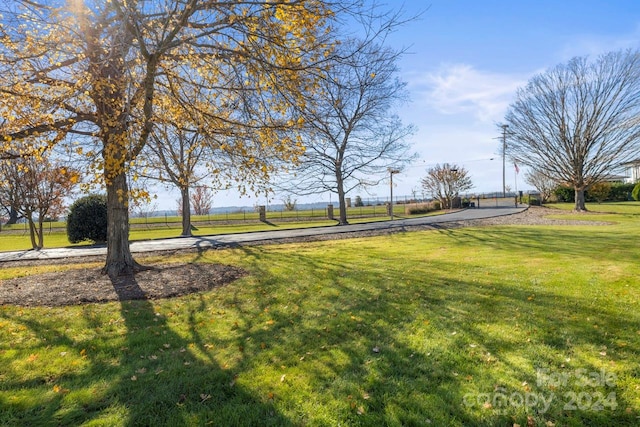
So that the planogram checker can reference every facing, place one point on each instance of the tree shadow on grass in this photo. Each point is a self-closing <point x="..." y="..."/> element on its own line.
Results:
<point x="381" y="346"/>
<point x="150" y="376"/>
<point x="448" y="361"/>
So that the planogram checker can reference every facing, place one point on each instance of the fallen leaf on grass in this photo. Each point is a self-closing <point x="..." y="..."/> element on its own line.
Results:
<point x="58" y="389"/>
<point x="204" y="397"/>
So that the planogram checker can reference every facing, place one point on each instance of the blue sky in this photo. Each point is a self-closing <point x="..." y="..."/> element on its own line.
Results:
<point x="466" y="60"/>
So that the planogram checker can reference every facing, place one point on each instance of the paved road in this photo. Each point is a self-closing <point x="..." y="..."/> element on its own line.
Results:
<point x="231" y="239"/>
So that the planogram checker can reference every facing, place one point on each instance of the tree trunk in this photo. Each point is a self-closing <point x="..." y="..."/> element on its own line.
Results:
<point x="342" y="205"/>
<point x="13" y="216"/>
<point x="40" y="232"/>
<point x="119" y="262"/>
<point x="186" y="212"/>
<point x="579" y="199"/>
<point x="32" y="232"/>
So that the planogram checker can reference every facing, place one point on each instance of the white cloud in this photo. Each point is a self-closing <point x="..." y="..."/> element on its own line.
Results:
<point x="462" y="89"/>
<point x="597" y="44"/>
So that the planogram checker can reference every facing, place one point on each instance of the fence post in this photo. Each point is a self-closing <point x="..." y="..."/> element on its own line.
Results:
<point x="330" y="212"/>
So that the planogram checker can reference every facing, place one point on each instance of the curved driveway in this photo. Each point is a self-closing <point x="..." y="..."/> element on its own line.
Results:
<point x="239" y="238"/>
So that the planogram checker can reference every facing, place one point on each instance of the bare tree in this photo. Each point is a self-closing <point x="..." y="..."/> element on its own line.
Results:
<point x="202" y="200"/>
<point x="542" y="183"/>
<point x="289" y="203"/>
<point x="352" y="135"/>
<point x="575" y="122"/>
<point x="172" y="156"/>
<point x="446" y="182"/>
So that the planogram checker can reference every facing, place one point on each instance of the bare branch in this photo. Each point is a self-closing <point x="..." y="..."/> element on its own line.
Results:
<point x="578" y="121"/>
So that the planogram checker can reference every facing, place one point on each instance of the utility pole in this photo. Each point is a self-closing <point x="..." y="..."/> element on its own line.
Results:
<point x="504" y="153"/>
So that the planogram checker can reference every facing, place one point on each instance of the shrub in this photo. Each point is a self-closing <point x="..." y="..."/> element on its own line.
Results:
<point x="621" y="192"/>
<point x="636" y="192"/>
<point x="564" y="194"/>
<point x="421" y="208"/>
<point x="87" y="219"/>
<point x="532" y="200"/>
<point x="599" y="192"/>
<point x="417" y="209"/>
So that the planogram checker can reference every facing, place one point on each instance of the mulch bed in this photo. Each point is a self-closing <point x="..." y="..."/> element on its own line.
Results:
<point x="79" y="286"/>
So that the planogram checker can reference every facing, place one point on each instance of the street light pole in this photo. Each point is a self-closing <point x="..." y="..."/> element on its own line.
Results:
<point x="391" y="173"/>
<point x="504" y="153"/>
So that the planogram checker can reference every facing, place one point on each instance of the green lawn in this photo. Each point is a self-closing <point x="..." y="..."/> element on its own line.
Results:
<point x="489" y="326"/>
<point x="631" y="208"/>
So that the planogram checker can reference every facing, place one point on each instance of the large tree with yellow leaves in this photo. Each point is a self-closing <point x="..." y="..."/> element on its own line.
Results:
<point x="94" y="76"/>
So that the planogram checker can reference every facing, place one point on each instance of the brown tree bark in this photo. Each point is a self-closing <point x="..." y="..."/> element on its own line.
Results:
<point x="343" y="205"/>
<point x="579" y="200"/>
<point x="13" y="216"/>
<point x="186" y="212"/>
<point x="119" y="261"/>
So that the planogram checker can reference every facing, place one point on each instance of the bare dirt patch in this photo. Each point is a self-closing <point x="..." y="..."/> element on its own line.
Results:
<point x="79" y="286"/>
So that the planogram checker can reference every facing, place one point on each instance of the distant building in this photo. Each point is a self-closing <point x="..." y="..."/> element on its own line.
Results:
<point x="632" y="171"/>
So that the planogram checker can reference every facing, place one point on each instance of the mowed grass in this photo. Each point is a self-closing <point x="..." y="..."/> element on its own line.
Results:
<point x="629" y="208"/>
<point x="490" y="326"/>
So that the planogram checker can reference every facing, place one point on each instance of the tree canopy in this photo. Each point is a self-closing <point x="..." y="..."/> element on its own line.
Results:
<point x="578" y="121"/>
<point x="95" y="76"/>
<point x="445" y="183"/>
